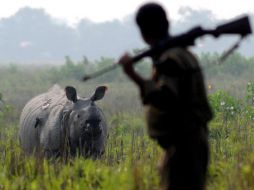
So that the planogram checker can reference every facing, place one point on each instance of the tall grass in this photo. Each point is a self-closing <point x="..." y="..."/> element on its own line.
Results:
<point x="131" y="158"/>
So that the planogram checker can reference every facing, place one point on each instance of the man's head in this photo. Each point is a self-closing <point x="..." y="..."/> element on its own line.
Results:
<point x="152" y="21"/>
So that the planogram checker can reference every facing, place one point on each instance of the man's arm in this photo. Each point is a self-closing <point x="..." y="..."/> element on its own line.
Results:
<point x="127" y="64"/>
<point x="159" y="93"/>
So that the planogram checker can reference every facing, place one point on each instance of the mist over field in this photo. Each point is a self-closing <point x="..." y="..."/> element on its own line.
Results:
<point x="31" y="35"/>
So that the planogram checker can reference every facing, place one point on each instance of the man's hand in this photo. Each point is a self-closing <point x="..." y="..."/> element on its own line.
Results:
<point x="126" y="62"/>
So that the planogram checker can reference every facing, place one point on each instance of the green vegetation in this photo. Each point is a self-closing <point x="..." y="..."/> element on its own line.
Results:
<point x="131" y="158"/>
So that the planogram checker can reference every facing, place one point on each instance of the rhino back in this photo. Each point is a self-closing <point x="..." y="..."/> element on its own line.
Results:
<point x="35" y="115"/>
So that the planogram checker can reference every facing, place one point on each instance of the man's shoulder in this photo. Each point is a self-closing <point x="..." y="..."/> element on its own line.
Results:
<point x="181" y="57"/>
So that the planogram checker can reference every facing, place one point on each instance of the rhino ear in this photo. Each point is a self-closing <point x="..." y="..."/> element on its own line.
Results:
<point x="98" y="93"/>
<point x="71" y="93"/>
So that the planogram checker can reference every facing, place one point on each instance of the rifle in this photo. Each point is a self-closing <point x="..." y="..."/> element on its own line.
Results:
<point x="239" y="26"/>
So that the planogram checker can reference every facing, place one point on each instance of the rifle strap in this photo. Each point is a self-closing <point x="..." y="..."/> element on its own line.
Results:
<point x="227" y="53"/>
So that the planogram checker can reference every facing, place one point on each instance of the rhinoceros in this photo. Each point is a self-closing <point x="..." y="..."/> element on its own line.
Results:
<point x="59" y="122"/>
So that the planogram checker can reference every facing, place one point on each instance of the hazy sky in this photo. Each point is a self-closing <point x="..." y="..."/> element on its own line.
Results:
<point x="102" y="10"/>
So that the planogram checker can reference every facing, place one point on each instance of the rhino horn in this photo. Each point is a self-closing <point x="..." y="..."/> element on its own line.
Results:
<point x="98" y="93"/>
<point x="71" y="93"/>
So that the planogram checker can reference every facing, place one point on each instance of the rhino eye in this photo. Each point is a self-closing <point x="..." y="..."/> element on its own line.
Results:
<point x="78" y="116"/>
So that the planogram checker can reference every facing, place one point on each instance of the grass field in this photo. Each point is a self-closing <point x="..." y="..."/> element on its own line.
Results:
<point x="131" y="158"/>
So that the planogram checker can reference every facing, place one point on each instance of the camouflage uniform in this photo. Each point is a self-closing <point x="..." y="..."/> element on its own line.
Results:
<point x="177" y="112"/>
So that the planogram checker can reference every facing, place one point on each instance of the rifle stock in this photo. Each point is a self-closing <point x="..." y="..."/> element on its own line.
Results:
<point x="239" y="26"/>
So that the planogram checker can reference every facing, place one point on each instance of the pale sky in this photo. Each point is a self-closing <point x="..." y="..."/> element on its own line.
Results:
<point x="103" y="10"/>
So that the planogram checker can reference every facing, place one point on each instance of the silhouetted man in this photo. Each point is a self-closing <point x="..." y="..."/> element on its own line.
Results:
<point x="175" y="103"/>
